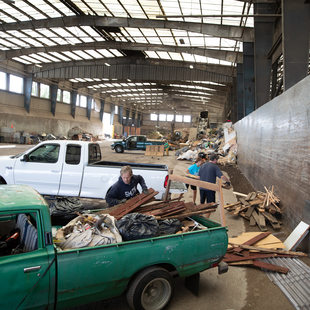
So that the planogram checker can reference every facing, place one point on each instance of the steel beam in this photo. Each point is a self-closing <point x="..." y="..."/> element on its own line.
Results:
<point x="27" y="93"/>
<point x="213" y="53"/>
<point x="146" y="71"/>
<point x="240" y="87"/>
<point x="222" y="31"/>
<point x="54" y="89"/>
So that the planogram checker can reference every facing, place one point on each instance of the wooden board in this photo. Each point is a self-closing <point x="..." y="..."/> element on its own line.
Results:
<point x="154" y="150"/>
<point x="270" y="242"/>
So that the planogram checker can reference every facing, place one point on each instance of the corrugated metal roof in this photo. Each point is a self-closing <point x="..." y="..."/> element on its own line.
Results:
<point x="295" y="284"/>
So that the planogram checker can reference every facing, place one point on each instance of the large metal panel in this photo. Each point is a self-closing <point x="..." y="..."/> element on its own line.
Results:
<point x="274" y="148"/>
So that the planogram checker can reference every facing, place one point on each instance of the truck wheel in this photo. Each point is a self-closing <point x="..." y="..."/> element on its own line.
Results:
<point x="119" y="149"/>
<point x="151" y="290"/>
<point x="2" y="181"/>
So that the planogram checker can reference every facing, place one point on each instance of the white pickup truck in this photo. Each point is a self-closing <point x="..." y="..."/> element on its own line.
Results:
<point x="73" y="168"/>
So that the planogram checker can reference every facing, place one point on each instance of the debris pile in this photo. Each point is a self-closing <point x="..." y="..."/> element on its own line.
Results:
<point x="138" y="218"/>
<point x="249" y="248"/>
<point x="220" y="141"/>
<point x="258" y="207"/>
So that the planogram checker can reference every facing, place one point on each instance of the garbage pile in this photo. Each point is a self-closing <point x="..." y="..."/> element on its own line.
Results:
<point x="132" y="220"/>
<point x="220" y="141"/>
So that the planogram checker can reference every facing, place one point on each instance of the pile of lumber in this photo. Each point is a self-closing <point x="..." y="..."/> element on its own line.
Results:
<point x="175" y="208"/>
<point x="249" y="248"/>
<point x="154" y="150"/>
<point x="258" y="207"/>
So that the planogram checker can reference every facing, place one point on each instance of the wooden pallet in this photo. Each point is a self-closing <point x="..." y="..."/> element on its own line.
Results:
<point x="154" y="150"/>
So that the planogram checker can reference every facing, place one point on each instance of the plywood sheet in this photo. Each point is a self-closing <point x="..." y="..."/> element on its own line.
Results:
<point x="270" y="242"/>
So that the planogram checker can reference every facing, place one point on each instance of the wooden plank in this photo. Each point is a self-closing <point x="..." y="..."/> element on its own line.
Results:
<point x="236" y="258"/>
<point x="268" y="242"/>
<point x="260" y="223"/>
<point x="270" y="267"/>
<point x="249" y="212"/>
<point x="221" y="205"/>
<point x="253" y="240"/>
<point x="198" y="183"/>
<point x="252" y="221"/>
<point x="264" y="250"/>
<point x="239" y="194"/>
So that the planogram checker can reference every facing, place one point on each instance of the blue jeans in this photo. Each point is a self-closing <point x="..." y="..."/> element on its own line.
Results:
<point x="207" y="196"/>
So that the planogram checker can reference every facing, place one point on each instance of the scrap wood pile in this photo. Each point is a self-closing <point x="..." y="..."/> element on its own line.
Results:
<point x="258" y="207"/>
<point x="175" y="208"/>
<point x="132" y="220"/>
<point x="249" y="248"/>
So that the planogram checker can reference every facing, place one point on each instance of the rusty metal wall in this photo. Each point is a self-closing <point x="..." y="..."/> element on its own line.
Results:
<point x="274" y="148"/>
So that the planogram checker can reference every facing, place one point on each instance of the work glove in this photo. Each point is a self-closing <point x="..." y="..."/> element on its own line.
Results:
<point x="228" y="183"/>
<point x="145" y="191"/>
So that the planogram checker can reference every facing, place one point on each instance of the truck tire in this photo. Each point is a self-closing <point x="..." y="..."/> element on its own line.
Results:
<point x="2" y="181"/>
<point x="119" y="149"/>
<point x="151" y="289"/>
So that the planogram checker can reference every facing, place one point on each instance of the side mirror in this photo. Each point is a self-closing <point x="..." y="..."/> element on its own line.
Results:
<point x="25" y="158"/>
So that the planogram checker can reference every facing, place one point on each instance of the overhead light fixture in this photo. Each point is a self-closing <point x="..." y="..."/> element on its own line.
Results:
<point x="191" y="67"/>
<point x="182" y="41"/>
<point x="108" y="65"/>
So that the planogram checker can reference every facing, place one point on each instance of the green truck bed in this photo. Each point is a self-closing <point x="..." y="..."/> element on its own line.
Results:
<point x="44" y="276"/>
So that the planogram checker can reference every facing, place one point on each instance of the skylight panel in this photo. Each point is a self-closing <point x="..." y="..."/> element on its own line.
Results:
<point x="60" y="56"/>
<point x="48" y="56"/>
<point x="226" y="63"/>
<point x="116" y="53"/>
<point x="6" y="19"/>
<point x="94" y="53"/>
<point x="17" y="14"/>
<point x="188" y="57"/>
<point x="62" y="8"/>
<point x="30" y="59"/>
<point x="4" y="45"/>
<point x="30" y="10"/>
<point x="201" y="59"/>
<point x="115" y="8"/>
<point x="151" y="54"/>
<point x="72" y="55"/>
<point x="40" y="58"/>
<point x="90" y="31"/>
<point x="151" y="7"/>
<point x="105" y="53"/>
<point x="83" y="55"/>
<point x="133" y="8"/>
<point x="22" y="60"/>
<point x="46" y="41"/>
<point x="18" y="43"/>
<point x="175" y="56"/>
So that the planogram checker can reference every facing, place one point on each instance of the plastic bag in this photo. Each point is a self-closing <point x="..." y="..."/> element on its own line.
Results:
<point x="88" y="230"/>
<point x="169" y="226"/>
<point x="135" y="226"/>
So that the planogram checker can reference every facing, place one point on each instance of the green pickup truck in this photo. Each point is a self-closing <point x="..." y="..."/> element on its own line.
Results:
<point x="133" y="143"/>
<point x="35" y="274"/>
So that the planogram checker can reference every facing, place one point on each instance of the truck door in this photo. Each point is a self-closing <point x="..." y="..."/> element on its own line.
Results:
<point x="26" y="269"/>
<point x="132" y="143"/>
<point x="41" y="169"/>
<point x="141" y="143"/>
<point x="72" y="171"/>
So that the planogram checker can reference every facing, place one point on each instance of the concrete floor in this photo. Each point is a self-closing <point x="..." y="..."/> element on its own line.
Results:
<point x="239" y="289"/>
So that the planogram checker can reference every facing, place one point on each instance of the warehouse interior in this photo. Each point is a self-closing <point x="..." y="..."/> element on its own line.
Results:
<point x="108" y="66"/>
<point x="116" y="68"/>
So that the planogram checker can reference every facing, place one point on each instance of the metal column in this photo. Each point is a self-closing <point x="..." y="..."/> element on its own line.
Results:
<point x="27" y="92"/>
<point x="240" y="104"/>
<point x="248" y="78"/>
<point x="73" y="102"/>
<point x="102" y="109"/>
<point x="295" y="40"/>
<point x="89" y="100"/>
<point x="54" y="90"/>
<point x="263" y="38"/>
